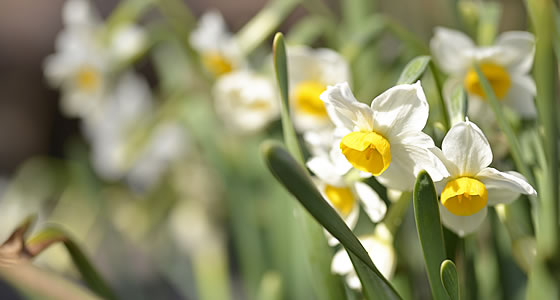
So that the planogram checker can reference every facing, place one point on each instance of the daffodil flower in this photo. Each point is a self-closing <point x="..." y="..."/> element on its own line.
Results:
<point x="380" y="248"/>
<point x="344" y="196"/>
<point x="218" y="49"/>
<point x="310" y="72"/>
<point x="83" y="61"/>
<point x="506" y="65"/>
<point x="385" y="139"/>
<point x="246" y="101"/>
<point x="472" y="186"/>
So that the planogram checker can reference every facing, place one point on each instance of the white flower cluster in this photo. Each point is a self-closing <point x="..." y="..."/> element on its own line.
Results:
<point x="111" y="102"/>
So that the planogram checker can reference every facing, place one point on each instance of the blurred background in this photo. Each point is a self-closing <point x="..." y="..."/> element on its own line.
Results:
<point x="30" y="122"/>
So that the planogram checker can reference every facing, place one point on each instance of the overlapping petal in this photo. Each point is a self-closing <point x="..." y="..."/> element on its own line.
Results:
<point x="466" y="146"/>
<point x="344" y="110"/>
<point x="449" y="48"/>
<point x="462" y="225"/>
<point x="402" y="108"/>
<point x="504" y="187"/>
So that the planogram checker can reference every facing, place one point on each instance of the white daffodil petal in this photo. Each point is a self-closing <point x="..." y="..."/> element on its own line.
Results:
<point x="341" y="263"/>
<point x="402" y="108"/>
<point x="344" y="110"/>
<point x="466" y="146"/>
<point x="520" y="48"/>
<point x="374" y="207"/>
<point x="210" y="32"/>
<point x="399" y="175"/>
<point x="448" y="48"/>
<point x="420" y="148"/>
<point x="521" y="96"/>
<point x="504" y="187"/>
<point x="323" y="169"/>
<point x="462" y="225"/>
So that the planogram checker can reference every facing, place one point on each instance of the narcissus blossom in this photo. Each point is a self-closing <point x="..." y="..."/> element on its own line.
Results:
<point x="385" y="139"/>
<point x="218" y="49"/>
<point x="381" y="251"/>
<point x="310" y="72"/>
<point x="506" y="65"/>
<point x="86" y="54"/>
<point x="246" y="101"/>
<point x="472" y="186"/>
<point x="343" y="194"/>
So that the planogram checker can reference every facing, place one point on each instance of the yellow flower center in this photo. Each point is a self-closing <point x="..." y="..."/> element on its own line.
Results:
<point x="464" y="196"/>
<point x="306" y="95"/>
<point x="216" y="63"/>
<point x="88" y="79"/>
<point x="341" y="198"/>
<point x="497" y="76"/>
<point x="367" y="151"/>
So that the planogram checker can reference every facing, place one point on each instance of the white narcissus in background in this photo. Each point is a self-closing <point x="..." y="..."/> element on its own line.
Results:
<point x="217" y="47"/>
<point x="83" y="62"/>
<point x="380" y="248"/>
<point x="472" y="185"/>
<point x="310" y="72"/>
<point x="385" y="139"/>
<point x="506" y="65"/>
<point x="245" y="101"/>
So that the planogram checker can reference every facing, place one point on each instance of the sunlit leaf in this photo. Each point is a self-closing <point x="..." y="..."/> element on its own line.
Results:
<point x="281" y="67"/>
<point x="449" y="279"/>
<point x="428" y="224"/>
<point x="414" y="70"/>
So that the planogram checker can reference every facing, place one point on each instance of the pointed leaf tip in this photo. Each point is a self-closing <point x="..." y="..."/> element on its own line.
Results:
<point x="449" y="279"/>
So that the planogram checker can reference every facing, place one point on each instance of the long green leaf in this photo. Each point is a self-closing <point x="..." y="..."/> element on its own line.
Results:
<point x="428" y="224"/>
<point x="296" y="180"/>
<point x="281" y="67"/>
<point x="542" y="15"/>
<point x="449" y="279"/>
<point x="91" y="276"/>
<point x="457" y="108"/>
<point x="414" y="69"/>
<point x="263" y="24"/>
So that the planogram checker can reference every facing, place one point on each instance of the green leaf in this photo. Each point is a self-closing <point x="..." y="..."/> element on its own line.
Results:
<point x="457" y="108"/>
<point x="50" y="235"/>
<point x="488" y="22"/>
<point x="449" y="279"/>
<point x="307" y="31"/>
<point x="296" y="180"/>
<point x="281" y="68"/>
<point x="262" y="25"/>
<point x="428" y="224"/>
<point x="414" y="70"/>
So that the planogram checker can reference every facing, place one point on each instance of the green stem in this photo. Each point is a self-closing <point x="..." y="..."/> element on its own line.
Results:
<point x="439" y="87"/>
<point x="396" y="212"/>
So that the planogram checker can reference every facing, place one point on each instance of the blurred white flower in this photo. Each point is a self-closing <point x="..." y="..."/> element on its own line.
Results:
<point x="107" y="129"/>
<point x="385" y="139"/>
<point x="127" y="41"/>
<point x="310" y="72"/>
<point x="381" y="251"/>
<point x="472" y="185"/>
<point x="217" y="47"/>
<point x="83" y="63"/>
<point x="169" y="142"/>
<point x="245" y="101"/>
<point x="506" y="65"/>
